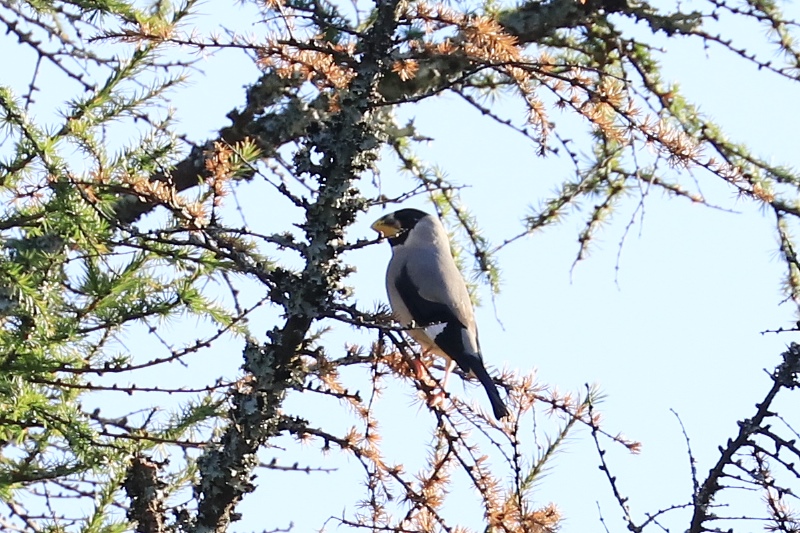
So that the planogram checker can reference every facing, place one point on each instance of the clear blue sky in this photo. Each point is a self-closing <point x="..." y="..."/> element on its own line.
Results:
<point x="680" y="330"/>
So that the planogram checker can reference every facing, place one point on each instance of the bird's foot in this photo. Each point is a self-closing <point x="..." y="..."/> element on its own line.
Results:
<point x="437" y="399"/>
<point x="418" y="367"/>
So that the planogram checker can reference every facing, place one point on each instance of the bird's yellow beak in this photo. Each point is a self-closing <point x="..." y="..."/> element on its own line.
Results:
<point x="387" y="226"/>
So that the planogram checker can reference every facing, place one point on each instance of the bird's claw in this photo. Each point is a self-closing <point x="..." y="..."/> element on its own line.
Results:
<point x="418" y="367"/>
<point x="436" y="400"/>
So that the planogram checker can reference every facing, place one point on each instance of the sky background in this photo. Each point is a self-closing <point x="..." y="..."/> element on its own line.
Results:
<point x="677" y="328"/>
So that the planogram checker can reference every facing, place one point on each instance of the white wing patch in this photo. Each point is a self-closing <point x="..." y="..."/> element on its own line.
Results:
<point x="434" y="330"/>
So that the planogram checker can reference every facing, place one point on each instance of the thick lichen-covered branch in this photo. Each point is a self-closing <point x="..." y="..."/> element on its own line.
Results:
<point x="347" y="144"/>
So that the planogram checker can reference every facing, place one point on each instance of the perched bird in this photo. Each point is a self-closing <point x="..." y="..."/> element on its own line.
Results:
<point x="428" y="294"/>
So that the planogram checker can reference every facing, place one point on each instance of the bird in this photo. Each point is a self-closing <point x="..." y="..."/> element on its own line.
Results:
<point x="429" y="296"/>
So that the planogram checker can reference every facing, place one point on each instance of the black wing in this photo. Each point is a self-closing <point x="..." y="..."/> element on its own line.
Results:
<point x="450" y="339"/>
<point x="423" y="311"/>
<point x="428" y="313"/>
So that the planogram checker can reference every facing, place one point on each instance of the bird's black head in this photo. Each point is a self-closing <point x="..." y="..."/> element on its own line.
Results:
<point x="395" y="226"/>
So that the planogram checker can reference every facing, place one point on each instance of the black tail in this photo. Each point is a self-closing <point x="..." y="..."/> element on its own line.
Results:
<point x="498" y="406"/>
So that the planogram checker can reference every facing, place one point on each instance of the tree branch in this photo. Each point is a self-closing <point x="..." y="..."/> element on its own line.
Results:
<point x="784" y="376"/>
